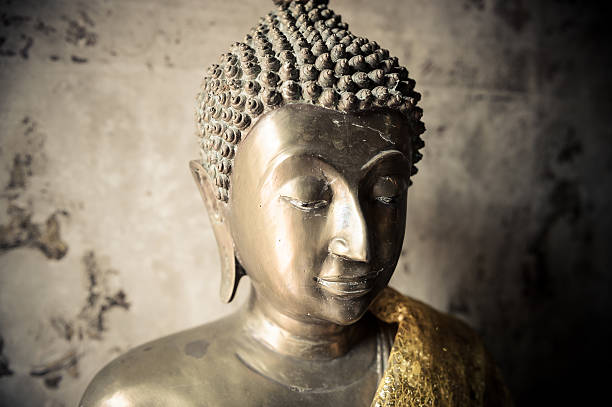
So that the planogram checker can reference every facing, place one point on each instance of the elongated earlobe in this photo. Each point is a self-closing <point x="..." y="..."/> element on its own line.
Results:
<point x="231" y="271"/>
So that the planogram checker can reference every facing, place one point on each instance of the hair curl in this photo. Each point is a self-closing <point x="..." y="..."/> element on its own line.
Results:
<point x="299" y="53"/>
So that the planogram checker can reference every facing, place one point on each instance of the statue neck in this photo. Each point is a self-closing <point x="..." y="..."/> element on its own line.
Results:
<point x="298" y="338"/>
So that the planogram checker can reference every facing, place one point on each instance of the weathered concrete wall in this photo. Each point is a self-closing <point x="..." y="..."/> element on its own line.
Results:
<point x="104" y="242"/>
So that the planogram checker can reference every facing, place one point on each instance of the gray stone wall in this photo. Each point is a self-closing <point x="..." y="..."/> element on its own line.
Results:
<point x="104" y="243"/>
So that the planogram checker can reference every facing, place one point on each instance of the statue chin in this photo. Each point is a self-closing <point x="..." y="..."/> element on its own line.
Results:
<point x="309" y="139"/>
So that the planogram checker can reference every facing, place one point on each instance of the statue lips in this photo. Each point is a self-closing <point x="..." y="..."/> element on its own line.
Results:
<point x="349" y="286"/>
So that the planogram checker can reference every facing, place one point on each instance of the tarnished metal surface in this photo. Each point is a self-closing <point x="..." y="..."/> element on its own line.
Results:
<point x="316" y="220"/>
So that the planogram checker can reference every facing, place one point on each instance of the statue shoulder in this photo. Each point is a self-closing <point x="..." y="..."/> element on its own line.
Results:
<point x="392" y="307"/>
<point x="426" y="334"/>
<point x="161" y="372"/>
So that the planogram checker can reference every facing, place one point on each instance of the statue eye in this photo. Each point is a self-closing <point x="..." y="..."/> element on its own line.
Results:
<point x="388" y="190"/>
<point x="306" y="205"/>
<point x="307" y="193"/>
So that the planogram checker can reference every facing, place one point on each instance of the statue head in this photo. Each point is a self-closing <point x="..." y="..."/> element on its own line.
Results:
<point x="309" y="136"/>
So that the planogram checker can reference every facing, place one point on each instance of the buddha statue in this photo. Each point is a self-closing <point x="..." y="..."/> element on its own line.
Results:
<point x="309" y="136"/>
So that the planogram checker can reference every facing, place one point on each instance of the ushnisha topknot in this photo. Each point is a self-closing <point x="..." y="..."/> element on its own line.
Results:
<point x="299" y="53"/>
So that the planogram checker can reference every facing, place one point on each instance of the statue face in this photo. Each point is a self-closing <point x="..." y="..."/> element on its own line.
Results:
<point x="318" y="208"/>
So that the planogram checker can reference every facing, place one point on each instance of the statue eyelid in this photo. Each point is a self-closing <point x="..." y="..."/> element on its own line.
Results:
<point x="389" y="165"/>
<point x="387" y="200"/>
<point x="306" y="193"/>
<point x="389" y="192"/>
<point x="306" y="205"/>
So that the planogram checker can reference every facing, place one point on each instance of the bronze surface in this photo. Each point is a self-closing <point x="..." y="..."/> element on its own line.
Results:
<point x="316" y="218"/>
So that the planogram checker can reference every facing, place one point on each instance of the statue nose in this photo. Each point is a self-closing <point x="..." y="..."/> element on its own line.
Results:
<point x="350" y="238"/>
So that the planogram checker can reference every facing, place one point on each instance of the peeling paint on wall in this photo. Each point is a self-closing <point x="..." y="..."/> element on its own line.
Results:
<point x="20" y="231"/>
<point x="90" y="322"/>
<point x="20" y="171"/>
<point x="17" y="229"/>
<point x="19" y="32"/>
<point x="52" y="372"/>
<point x="78" y="34"/>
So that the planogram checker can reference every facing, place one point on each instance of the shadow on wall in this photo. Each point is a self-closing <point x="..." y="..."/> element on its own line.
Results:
<point x="541" y="281"/>
<point x="541" y="275"/>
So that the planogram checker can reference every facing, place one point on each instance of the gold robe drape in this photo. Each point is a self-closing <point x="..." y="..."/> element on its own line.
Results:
<point x="436" y="360"/>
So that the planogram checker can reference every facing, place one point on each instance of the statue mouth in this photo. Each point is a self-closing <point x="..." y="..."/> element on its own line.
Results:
<point x="349" y="286"/>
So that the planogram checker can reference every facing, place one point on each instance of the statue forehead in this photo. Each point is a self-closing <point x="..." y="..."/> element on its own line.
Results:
<point x="338" y="138"/>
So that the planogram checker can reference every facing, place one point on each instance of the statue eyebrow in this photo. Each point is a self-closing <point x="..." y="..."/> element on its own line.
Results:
<point x="383" y="155"/>
<point x="288" y="155"/>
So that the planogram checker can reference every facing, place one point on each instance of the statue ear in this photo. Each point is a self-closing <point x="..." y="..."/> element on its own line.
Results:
<point x="231" y="271"/>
